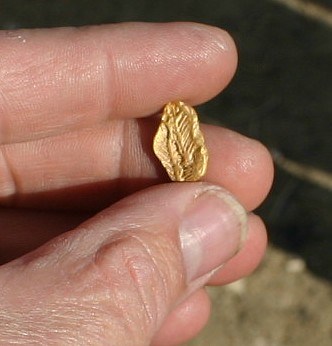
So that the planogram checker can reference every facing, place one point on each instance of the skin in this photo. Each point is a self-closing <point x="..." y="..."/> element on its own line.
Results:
<point x="78" y="111"/>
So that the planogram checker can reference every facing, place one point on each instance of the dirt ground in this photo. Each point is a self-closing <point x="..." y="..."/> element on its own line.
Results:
<point x="282" y="304"/>
<point x="282" y="95"/>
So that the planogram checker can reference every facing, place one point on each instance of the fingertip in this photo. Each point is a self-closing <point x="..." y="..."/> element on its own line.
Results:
<point x="242" y="165"/>
<point x="248" y="258"/>
<point x="185" y="321"/>
<point x="170" y="61"/>
<point x="223" y="62"/>
<point x="260" y="173"/>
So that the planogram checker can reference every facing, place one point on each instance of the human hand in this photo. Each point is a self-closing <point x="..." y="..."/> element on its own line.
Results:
<point x="76" y="138"/>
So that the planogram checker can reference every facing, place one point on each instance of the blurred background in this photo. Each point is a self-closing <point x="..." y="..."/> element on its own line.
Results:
<point x="282" y="96"/>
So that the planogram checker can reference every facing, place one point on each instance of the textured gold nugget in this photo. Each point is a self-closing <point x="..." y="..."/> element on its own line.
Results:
<point x="179" y="143"/>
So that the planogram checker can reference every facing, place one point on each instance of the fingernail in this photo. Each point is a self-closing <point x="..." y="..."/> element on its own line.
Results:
<point x="212" y="231"/>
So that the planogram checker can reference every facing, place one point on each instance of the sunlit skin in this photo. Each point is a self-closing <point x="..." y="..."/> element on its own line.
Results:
<point x="78" y="112"/>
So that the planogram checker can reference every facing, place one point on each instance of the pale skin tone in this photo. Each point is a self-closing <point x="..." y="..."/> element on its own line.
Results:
<point x="78" y="110"/>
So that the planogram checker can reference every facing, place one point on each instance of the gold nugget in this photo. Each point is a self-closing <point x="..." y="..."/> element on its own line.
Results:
<point x="179" y="143"/>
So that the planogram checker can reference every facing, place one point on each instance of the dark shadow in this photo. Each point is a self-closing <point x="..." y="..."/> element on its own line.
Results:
<point x="46" y="215"/>
<point x="299" y="219"/>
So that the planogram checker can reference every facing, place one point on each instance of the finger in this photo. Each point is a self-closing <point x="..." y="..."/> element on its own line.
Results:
<point x="121" y="272"/>
<point x="248" y="258"/>
<point x="185" y="321"/>
<point x="57" y="80"/>
<point x="95" y="167"/>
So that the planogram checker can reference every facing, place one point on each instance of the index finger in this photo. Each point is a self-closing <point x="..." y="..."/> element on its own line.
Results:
<point x="58" y="80"/>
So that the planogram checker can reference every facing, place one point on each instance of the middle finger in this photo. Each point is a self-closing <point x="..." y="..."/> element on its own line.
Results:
<point x="94" y="167"/>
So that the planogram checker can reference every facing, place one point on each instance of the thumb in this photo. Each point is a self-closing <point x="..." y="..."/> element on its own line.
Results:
<point x="114" y="279"/>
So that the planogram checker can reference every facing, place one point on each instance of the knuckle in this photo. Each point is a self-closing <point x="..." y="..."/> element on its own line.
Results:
<point x="144" y="274"/>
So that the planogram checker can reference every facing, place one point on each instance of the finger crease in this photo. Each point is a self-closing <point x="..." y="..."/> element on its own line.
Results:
<point x="3" y="112"/>
<point x="8" y="182"/>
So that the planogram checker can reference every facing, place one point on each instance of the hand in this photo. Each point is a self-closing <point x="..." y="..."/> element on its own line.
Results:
<point x="76" y="137"/>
